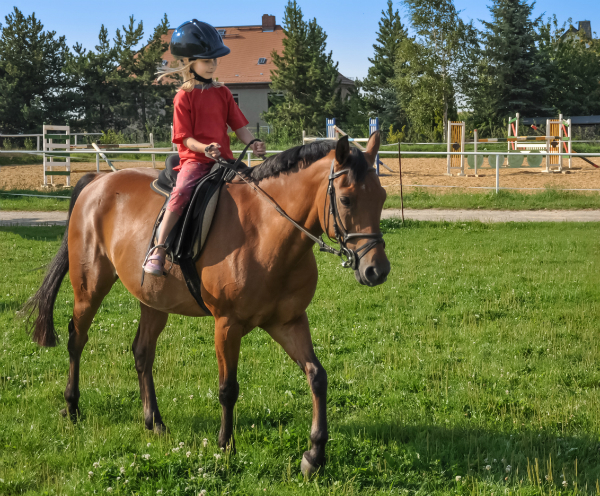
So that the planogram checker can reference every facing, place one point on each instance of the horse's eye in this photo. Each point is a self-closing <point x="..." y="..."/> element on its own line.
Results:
<point x="344" y="200"/>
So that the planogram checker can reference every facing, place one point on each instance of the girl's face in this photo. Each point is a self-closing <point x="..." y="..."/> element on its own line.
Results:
<point x="205" y="67"/>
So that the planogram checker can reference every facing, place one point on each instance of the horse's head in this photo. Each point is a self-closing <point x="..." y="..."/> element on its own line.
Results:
<point x="358" y="199"/>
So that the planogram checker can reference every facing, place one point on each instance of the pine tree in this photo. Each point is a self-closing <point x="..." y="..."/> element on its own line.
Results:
<point x="380" y="96"/>
<point x="33" y="85"/>
<point x="509" y="80"/>
<point x="305" y="84"/>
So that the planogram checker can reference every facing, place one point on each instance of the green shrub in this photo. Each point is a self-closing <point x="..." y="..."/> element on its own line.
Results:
<point x="112" y="137"/>
<point x="29" y="144"/>
<point x="7" y="144"/>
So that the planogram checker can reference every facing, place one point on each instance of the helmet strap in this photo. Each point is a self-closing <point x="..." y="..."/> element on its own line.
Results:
<point x="200" y="78"/>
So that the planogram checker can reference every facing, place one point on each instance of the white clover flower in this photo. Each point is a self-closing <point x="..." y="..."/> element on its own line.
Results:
<point x="205" y="475"/>
<point x="175" y="450"/>
<point x="181" y="444"/>
<point x="202" y="493"/>
<point x="118" y="478"/>
<point x="200" y="470"/>
<point x="148" y="445"/>
<point x="159" y="491"/>
<point x="109" y="489"/>
<point x="126" y="481"/>
<point x="146" y="456"/>
<point x="565" y="483"/>
<point x="205" y="442"/>
<point x="174" y="399"/>
<point x="122" y="470"/>
<point x="458" y="478"/>
<point x="96" y="464"/>
<point x="132" y="464"/>
<point x="508" y="469"/>
<point x="488" y="467"/>
<point x="217" y="455"/>
<point x="188" y="454"/>
<point x="90" y="474"/>
<point x="191" y="396"/>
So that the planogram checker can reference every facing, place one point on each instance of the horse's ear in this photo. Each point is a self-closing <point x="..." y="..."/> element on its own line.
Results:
<point x="342" y="151"/>
<point x="373" y="147"/>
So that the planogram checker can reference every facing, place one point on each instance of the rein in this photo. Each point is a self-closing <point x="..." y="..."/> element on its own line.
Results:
<point x="350" y="258"/>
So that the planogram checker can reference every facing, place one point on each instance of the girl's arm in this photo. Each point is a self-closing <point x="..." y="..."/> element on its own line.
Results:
<point x="198" y="147"/>
<point x="246" y="137"/>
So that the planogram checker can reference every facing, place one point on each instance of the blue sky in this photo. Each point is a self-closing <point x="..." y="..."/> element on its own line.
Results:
<point x="351" y="26"/>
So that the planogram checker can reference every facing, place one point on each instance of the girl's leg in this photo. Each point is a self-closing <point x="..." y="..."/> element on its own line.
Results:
<point x="188" y="177"/>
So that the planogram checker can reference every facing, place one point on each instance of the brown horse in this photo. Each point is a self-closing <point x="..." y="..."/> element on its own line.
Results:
<point x="257" y="268"/>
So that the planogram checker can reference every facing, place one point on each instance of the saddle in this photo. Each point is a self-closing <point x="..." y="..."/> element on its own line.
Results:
<point x="187" y="238"/>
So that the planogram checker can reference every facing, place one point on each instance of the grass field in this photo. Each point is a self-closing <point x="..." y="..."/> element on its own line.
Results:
<point x="413" y="198"/>
<point x="474" y="370"/>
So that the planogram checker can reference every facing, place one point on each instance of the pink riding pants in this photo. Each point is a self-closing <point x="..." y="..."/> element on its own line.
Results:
<point x="188" y="177"/>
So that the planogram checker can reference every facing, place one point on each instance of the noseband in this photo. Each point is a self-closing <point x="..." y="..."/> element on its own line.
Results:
<point x="350" y="258"/>
<point x="342" y="236"/>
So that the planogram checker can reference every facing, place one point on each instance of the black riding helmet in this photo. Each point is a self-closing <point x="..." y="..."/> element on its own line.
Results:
<point x="197" y="40"/>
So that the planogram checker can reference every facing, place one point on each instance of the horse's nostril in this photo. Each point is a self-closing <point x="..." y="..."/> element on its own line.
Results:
<point x="370" y="273"/>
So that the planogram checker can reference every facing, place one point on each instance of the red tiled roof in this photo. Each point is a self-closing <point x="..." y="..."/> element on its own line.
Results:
<point x="247" y="44"/>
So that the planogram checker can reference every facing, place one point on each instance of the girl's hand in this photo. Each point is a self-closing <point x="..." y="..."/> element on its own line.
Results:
<point x="213" y="151"/>
<point x="258" y="148"/>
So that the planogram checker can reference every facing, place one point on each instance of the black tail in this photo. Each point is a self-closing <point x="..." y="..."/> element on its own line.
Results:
<point x="42" y="302"/>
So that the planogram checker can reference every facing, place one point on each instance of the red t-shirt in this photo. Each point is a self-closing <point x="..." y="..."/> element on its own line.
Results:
<point x="204" y="115"/>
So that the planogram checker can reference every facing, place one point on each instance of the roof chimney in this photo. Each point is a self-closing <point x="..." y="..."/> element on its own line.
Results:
<point x="268" y="23"/>
<point x="585" y="26"/>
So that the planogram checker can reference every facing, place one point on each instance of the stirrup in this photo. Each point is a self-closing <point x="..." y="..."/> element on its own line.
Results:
<point x="152" y="268"/>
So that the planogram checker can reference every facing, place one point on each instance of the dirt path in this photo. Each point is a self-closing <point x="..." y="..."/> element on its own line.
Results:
<point x="11" y="218"/>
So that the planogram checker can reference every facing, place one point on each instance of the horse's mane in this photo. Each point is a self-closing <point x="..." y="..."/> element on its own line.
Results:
<point x="306" y="155"/>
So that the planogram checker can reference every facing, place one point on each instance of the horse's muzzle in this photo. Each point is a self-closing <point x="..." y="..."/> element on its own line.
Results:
<point x="374" y="274"/>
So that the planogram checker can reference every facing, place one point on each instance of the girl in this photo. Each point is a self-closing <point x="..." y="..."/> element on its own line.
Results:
<point x="203" y="109"/>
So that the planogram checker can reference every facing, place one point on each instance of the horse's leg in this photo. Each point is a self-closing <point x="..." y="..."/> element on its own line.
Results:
<point x="296" y="340"/>
<point x="152" y="322"/>
<point x="228" y="337"/>
<point x="90" y="285"/>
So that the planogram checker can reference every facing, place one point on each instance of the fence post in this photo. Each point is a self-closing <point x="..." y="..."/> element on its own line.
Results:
<point x="330" y="127"/>
<point x="475" y="136"/>
<point x="249" y="159"/>
<point x="374" y="126"/>
<point x="37" y="139"/>
<point x="497" y="173"/>
<point x="152" y="146"/>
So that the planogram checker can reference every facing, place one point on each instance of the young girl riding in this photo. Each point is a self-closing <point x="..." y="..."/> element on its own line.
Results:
<point x="203" y="108"/>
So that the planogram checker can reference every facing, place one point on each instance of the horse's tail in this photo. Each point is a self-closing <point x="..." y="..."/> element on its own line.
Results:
<point x="43" y="331"/>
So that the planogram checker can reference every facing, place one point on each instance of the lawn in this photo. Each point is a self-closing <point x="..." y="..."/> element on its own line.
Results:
<point x="474" y="370"/>
<point x="413" y="198"/>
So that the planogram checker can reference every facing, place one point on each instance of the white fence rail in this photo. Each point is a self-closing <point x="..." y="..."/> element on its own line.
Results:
<point x="249" y="159"/>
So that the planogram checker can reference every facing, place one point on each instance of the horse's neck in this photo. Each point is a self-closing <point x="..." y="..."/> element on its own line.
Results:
<point x="300" y="195"/>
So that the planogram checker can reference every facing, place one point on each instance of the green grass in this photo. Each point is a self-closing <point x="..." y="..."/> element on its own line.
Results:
<point x="413" y="198"/>
<point x="550" y="199"/>
<point x="481" y="349"/>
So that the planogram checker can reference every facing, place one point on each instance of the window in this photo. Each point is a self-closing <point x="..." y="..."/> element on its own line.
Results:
<point x="262" y="61"/>
<point x="236" y="99"/>
<point x="221" y="32"/>
<point x="165" y="62"/>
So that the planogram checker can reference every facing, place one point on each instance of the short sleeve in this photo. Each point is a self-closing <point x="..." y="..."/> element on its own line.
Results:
<point x="182" y="118"/>
<point x="235" y="117"/>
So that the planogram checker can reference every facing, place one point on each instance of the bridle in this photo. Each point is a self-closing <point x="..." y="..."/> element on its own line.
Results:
<point x="350" y="258"/>
<point x="342" y="236"/>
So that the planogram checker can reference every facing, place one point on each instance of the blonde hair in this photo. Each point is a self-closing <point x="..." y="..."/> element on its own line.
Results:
<point x="188" y="78"/>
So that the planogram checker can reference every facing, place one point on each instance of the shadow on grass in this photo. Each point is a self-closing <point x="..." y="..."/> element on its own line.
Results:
<point x="36" y="233"/>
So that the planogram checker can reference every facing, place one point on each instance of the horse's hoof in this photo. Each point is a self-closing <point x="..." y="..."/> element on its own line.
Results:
<point x="70" y="415"/>
<point x="64" y="412"/>
<point x="160" y="429"/>
<point x="306" y="467"/>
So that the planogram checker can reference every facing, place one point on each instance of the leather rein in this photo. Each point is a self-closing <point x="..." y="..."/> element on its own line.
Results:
<point x="350" y="258"/>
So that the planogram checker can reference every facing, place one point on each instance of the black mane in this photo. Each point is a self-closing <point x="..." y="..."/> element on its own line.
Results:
<point x="306" y="155"/>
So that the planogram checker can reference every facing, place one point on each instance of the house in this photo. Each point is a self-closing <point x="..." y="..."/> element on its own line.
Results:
<point x="584" y="30"/>
<point x="246" y="71"/>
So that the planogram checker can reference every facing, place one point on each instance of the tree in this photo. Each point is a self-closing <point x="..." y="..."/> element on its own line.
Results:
<point x="380" y="97"/>
<point x="305" y="84"/>
<point x="571" y="69"/>
<point x="429" y="68"/>
<point x="33" y="86"/>
<point x="509" y="76"/>
<point x="142" y="100"/>
<point x="443" y="41"/>
<point x="97" y="94"/>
